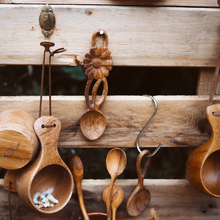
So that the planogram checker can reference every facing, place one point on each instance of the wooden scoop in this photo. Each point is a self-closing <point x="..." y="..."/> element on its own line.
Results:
<point x="93" y="122"/>
<point x="48" y="173"/>
<point x="203" y="164"/>
<point x="117" y="198"/>
<point x="116" y="161"/>
<point x="77" y="169"/>
<point x="140" y="197"/>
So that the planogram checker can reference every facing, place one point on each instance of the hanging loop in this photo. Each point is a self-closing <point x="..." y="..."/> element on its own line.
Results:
<point x="141" y="132"/>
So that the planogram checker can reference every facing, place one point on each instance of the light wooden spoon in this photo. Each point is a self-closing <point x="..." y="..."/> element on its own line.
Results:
<point x="77" y="170"/>
<point x="117" y="198"/>
<point x="116" y="161"/>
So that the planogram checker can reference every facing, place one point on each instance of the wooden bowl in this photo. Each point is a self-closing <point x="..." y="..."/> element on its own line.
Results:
<point x="19" y="142"/>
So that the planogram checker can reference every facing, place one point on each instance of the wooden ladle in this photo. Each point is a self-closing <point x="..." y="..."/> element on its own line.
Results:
<point x="48" y="173"/>
<point x="77" y="169"/>
<point x="203" y="164"/>
<point x="117" y="198"/>
<point x="116" y="161"/>
<point x="140" y="197"/>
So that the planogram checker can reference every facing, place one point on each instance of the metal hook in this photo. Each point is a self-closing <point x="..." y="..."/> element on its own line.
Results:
<point x="138" y="137"/>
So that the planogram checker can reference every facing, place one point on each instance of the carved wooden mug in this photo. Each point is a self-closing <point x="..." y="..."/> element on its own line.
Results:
<point x="203" y="164"/>
<point x="19" y="143"/>
<point x="48" y="174"/>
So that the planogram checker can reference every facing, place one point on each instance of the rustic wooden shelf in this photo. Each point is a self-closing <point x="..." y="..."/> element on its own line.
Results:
<point x="171" y="199"/>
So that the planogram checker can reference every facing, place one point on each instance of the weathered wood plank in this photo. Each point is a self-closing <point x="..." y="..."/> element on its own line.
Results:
<point x="180" y="120"/>
<point x="171" y="199"/>
<point x="205" y="81"/>
<point x="143" y="36"/>
<point x="196" y="3"/>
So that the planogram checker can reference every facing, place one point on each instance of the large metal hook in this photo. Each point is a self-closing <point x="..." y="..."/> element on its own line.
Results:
<point x="138" y="137"/>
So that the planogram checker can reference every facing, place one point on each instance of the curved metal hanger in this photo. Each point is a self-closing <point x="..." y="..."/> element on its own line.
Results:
<point x="141" y="132"/>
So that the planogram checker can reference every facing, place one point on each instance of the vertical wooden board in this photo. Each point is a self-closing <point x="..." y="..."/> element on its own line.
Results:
<point x="204" y="83"/>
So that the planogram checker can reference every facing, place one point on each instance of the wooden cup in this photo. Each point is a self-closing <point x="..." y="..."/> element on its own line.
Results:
<point x="48" y="174"/>
<point x="18" y="141"/>
<point x="203" y="164"/>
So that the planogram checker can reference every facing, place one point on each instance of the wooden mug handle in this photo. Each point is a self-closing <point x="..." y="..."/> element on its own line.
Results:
<point x="100" y="32"/>
<point x="95" y="104"/>
<point x="138" y="166"/>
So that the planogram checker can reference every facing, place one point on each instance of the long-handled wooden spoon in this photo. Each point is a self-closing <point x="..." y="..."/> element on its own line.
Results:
<point x="116" y="161"/>
<point x="77" y="170"/>
<point x="140" y="197"/>
<point x="117" y="198"/>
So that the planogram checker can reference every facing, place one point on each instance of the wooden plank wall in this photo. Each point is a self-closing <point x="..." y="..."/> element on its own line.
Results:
<point x="179" y="122"/>
<point x="143" y="36"/>
<point x="185" y="36"/>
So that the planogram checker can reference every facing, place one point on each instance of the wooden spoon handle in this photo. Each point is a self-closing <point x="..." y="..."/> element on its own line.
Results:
<point x="81" y="200"/>
<point x="95" y="105"/>
<point x="138" y="166"/>
<point x="109" y="199"/>
<point x="98" y="103"/>
<point x="77" y="169"/>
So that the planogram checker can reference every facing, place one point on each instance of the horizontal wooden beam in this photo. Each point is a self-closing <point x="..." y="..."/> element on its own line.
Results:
<point x="185" y="3"/>
<point x="171" y="199"/>
<point x="180" y="120"/>
<point x="138" y="36"/>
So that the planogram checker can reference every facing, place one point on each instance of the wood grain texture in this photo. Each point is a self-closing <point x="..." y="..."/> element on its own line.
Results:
<point x="48" y="174"/>
<point x="19" y="143"/>
<point x="171" y="199"/>
<point x="196" y="3"/>
<point x="180" y="120"/>
<point x="204" y="83"/>
<point x="143" y="36"/>
<point x="203" y="167"/>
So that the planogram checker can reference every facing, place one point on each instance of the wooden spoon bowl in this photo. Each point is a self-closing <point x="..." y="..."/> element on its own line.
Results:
<point x="92" y="124"/>
<point x="203" y="164"/>
<point x="140" y="197"/>
<point x="48" y="173"/>
<point x="116" y="162"/>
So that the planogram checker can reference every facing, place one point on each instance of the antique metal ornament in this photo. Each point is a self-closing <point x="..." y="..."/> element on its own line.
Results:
<point x="47" y="20"/>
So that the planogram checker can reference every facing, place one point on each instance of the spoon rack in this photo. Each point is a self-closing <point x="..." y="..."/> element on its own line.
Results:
<point x="172" y="34"/>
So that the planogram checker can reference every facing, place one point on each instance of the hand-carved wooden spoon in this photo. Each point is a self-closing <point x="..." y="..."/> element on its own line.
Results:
<point x="77" y="169"/>
<point x="116" y="161"/>
<point x="48" y="173"/>
<point x="98" y="63"/>
<point x="140" y="197"/>
<point x="117" y="198"/>
<point x="203" y="164"/>
<point x="93" y="122"/>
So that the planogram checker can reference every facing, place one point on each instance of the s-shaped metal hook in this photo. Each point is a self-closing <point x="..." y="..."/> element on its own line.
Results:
<point x="138" y="137"/>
